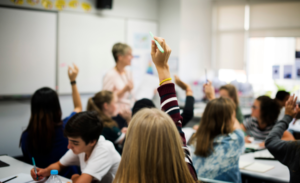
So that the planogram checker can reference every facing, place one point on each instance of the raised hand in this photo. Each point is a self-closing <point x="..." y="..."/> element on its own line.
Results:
<point x="291" y="108"/>
<point x="160" y="59"/>
<point x="73" y="72"/>
<point x="209" y="90"/>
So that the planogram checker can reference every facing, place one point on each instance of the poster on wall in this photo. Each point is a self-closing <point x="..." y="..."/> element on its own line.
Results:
<point x="276" y="72"/>
<point x="297" y="68"/>
<point x="287" y="71"/>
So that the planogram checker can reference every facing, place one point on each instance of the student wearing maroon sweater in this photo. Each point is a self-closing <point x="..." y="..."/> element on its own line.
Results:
<point x="153" y="146"/>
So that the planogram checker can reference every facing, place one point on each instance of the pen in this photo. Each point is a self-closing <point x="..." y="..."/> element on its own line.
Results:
<point x="157" y="44"/>
<point x="10" y="179"/>
<point x="34" y="166"/>
<point x="206" y="76"/>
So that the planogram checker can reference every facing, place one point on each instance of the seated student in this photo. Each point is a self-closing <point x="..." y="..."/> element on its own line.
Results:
<point x="153" y="149"/>
<point x="264" y="115"/>
<point x="281" y="98"/>
<point x="227" y="91"/>
<point x="97" y="157"/>
<point x="43" y="139"/>
<point x="218" y="142"/>
<point x="188" y="111"/>
<point x="104" y="103"/>
<point x="287" y="152"/>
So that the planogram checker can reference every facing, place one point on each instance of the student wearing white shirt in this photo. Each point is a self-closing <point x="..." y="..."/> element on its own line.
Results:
<point x="97" y="157"/>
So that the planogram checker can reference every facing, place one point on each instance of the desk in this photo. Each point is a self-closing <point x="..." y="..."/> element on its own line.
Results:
<point x="279" y="173"/>
<point x="15" y="167"/>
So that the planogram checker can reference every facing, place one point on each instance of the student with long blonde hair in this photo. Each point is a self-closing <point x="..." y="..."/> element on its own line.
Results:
<point x="219" y="142"/>
<point x="153" y="149"/>
<point x="104" y="103"/>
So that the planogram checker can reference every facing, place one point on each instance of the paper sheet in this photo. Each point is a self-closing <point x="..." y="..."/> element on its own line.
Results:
<point x="24" y="178"/>
<point x="147" y="87"/>
<point x="258" y="167"/>
<point x="243" y="164"/>
<point x="263" y="154"/>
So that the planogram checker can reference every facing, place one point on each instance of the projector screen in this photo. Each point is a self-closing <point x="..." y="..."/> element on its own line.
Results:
<point x="27" y="51"/>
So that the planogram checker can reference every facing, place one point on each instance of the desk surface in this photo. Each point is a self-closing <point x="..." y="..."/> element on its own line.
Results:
<point x="279" y="173"/>
<point x="15" y="167"/>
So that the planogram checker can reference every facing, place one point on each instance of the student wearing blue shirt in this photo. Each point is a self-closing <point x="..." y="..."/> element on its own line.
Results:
<point x="218" y="142"/>
<point x="44" y="139"/>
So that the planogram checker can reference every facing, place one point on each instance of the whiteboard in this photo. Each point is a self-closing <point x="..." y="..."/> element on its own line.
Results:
<point x="27" y="50"/>
<point x="139" y="39"/>
<point x="87" y="41"/>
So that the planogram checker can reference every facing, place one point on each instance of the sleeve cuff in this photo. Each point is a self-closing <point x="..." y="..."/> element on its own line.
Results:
<point x="166" y="88"/>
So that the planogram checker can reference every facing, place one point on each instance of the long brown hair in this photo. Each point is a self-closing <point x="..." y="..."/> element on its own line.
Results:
<point x="153" y="151"/>
<point x="45" y="117"/>
<point x="233" y="93"/>
<point x="96" y="104"/>
<point x="216" y="120"/>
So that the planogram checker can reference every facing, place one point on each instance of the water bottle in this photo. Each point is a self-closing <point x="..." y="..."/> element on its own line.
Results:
<point x="53" y="177"/>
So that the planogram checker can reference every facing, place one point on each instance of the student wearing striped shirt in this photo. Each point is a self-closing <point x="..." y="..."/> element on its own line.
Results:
<point x="155" y="148"/>
<point x="264" y="115"/>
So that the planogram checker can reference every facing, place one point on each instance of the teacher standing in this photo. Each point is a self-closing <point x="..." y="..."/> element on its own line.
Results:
<point x="119" y="81"/>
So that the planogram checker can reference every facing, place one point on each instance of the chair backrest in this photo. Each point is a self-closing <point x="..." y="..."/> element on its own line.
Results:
<point x="205" y="180"/>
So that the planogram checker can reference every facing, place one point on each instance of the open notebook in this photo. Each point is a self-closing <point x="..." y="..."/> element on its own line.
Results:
<point x="23" y="178"/>
<point x="254" y="166"/>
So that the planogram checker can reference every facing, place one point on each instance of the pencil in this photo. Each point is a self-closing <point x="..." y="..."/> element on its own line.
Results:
<point x="10" y="179"/>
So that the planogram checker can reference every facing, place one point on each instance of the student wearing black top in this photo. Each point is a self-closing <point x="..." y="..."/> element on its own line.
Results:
<point x="43" y="139"/>
<point x="287" y="152"/>
<point x="188" y="111"/>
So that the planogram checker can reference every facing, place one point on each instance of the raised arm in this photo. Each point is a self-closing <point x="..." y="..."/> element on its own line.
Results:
<point x="282" y="150"/>
<point x="188" y="110"/>
<point x="167" y="94"/>
<point x="209" y="90"/>
<point x="73" y="72"/>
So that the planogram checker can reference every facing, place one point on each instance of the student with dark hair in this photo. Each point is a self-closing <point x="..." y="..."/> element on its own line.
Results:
<point x="287" y="152"/>
<point x="97" y="157"/>
<point x="104" y="103"/>
<point x="141" y="104"/>
<point x="119" y="81"/>
<point x="281" y="98"/>
<point x="218" y="142"/>
<point x="43" y="139"/>
<point x="264" y="115"/>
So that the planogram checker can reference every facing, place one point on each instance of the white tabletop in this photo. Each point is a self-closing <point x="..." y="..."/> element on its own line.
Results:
<point x="15" y="167"/>
<point x="279" y="173"/>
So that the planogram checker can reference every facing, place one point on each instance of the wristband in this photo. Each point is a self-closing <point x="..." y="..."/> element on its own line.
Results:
<point x="168" y="79"/>
<point x="73" y="82"/>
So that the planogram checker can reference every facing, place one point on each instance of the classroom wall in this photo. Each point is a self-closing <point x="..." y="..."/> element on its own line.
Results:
<point x="169" y="23"/>
<point x="195" y="38"/>
<point x="14" y="115"/>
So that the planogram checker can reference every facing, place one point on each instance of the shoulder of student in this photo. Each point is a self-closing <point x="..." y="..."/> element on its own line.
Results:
<point x="106" y="148"/>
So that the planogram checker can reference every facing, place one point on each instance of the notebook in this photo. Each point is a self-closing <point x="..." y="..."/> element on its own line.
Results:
<point x="243" y="164"/>
<point x="266" y="155"/>
<point x="256" y="167"/>
<point x="24" y="178"/>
